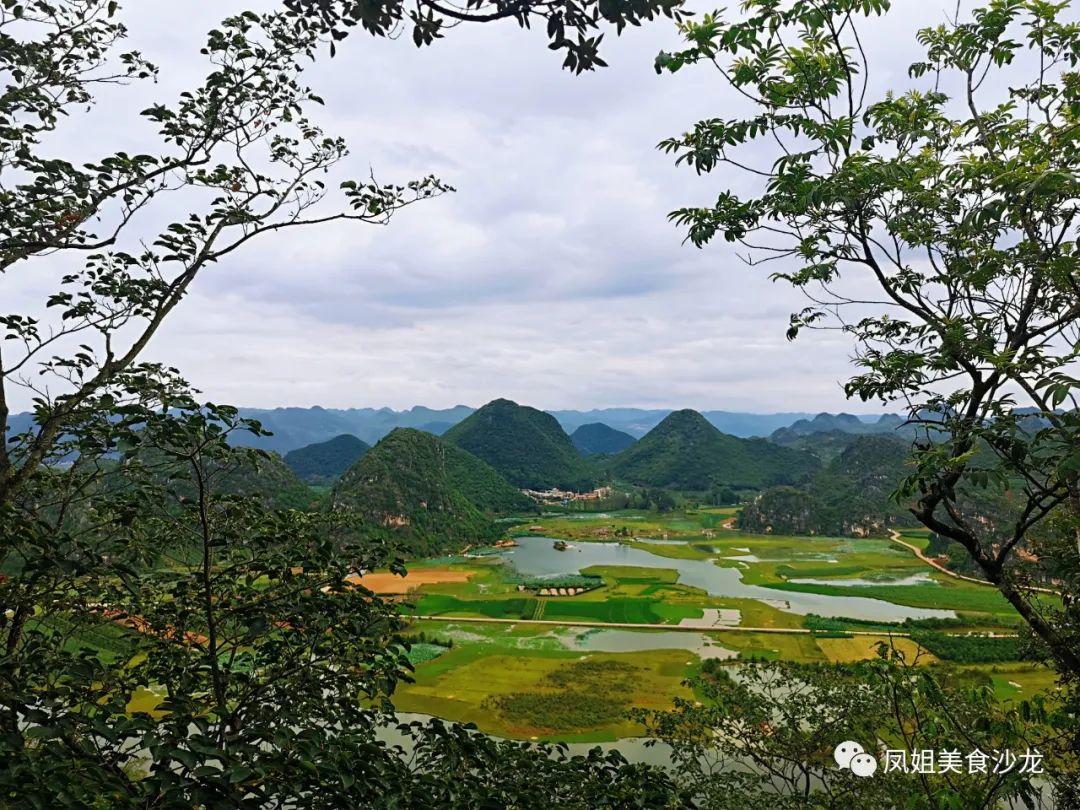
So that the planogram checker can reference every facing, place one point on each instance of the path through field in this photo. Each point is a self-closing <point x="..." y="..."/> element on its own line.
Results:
<point x="676" y="627"/>
<point x="894" y="535"/>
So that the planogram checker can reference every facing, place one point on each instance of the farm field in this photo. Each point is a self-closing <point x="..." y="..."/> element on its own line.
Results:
<point x="547" y="668"/>
<point x="873" y="568"/>
<point x="489" y="669"/>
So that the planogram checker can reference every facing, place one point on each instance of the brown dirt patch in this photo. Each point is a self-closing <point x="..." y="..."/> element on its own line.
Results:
<point x="387" y="583"/>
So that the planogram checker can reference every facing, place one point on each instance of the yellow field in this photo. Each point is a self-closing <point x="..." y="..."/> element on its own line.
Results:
<point x="860" y="648"/>
<point x="458" y="692"/>
<point x="387" y="583"/>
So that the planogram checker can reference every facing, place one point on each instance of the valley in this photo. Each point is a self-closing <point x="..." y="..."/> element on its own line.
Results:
<point x="554" y="585"/>
<point x="676" y="592"/>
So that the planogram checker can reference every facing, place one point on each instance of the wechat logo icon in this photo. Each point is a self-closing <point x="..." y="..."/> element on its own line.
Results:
<point x="849" y="754"/>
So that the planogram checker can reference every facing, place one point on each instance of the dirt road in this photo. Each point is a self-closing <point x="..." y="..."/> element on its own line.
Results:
<point x="637" y="626"/>
<point x="895" y="537"/>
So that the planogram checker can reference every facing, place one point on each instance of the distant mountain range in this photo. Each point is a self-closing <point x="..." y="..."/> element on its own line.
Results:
<point x="839" y="422"/>
<point x="293" y="428"/>
<point x="297" y="427"/>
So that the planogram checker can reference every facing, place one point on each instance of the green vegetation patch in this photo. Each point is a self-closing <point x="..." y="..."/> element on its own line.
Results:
<point x="423" y="652"/>
<point x="564" y="711"/>
<point x="675" y="551"/>
<point x="593" y="673"/>
<point x="627" y="610"/>
<point x="937" y="594"/>
<point x="633" y="573"/>
<point x="969" y="649"/>
<point x="592" y="693"/>
<point x="438" y="604"/>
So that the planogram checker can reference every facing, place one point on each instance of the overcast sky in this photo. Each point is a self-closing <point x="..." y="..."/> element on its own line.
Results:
<point x="551" y="277"/>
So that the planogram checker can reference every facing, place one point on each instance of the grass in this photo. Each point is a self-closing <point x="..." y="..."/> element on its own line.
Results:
<point x="674" y="551"/>
<point x="772" y="646"/>
<point x="860" y="648"/>
<point x="1020" y="681"/>
<point x="618" y="610"/>
<point x="439" y="604"/>
<point x="521" y="681"/>
<point x="628" y="523"/>
<point x="615" y="574"/>
<point x="478" y="685"/>
<point x="943" y="593"/>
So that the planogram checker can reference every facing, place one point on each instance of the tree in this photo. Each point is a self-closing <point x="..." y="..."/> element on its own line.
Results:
<point x="765" y="738"/>
<point x="430" y="18"/>
<point x="955" y="197"/>
<point x="165" y="641"/>
<point x="210" y="650"/>
<point x="206" y="649"/>
<point x="242" y="141"/>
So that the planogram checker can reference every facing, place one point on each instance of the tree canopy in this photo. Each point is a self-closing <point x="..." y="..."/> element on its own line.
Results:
<point x="572" y="26"/>
<point x="954" y="195"/>
<point x="170" y="633"/>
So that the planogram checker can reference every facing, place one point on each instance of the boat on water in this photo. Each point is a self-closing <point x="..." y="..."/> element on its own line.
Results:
<point x="560" y="545"/>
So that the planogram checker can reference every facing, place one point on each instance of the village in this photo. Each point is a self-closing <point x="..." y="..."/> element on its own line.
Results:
<point x="554" y="496"/>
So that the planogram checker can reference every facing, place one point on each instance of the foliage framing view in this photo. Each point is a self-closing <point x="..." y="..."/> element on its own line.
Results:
<point x="130" y="555"/>
<point x="126" y="561"/>
<point x="958" y="199"/>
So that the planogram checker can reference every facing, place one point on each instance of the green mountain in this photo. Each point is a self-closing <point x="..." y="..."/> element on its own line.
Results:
<point x="431" y="494"/>
<point x="526" y="446"/>
<point x="271" y="479"/>
<point x="262" y="476"/>
<point x="826" y="446"/>
<point x="597" y="439"/>
<point x="686" y="452"/>
<point x="323" y="462"/>
<point x="851" y="495"/>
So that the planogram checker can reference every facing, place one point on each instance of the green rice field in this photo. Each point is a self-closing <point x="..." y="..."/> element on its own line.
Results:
<point x="520" y="677"/>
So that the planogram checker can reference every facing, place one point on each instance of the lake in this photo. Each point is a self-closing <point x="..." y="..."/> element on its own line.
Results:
<point x="536" y="557"/>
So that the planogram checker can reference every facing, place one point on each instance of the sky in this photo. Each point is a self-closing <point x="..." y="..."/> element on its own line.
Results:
<point x="551" y="276"/>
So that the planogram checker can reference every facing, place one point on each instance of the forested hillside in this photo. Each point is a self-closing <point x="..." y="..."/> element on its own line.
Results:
<point x="434" y="496"/>
<point x="852" y="494"/>
<point x="526" y="446"/>
<point x="686" y="452"/>
<point x="597" y="439"/>
<point x="323" y="462"/>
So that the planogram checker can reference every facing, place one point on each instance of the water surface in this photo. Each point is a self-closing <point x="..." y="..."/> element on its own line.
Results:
<point x="616" y="640"/>
<point x="536" y="557"/>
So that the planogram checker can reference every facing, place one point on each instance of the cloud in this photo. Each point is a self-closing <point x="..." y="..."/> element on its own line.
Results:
<point x="551" y="276"/>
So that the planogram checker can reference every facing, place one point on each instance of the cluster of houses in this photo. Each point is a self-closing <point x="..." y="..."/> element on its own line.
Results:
<point x="566" y="496"/>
